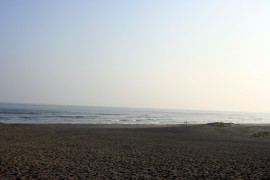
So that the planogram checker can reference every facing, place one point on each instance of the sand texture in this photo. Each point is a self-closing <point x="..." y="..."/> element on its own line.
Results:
<point x="133" y="152"/>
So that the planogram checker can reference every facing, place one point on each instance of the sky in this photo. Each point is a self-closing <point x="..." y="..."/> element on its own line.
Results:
<point x="203" y="55"/>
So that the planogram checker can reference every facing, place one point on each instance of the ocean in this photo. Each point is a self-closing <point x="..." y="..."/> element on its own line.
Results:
<point x="55" y="114"/>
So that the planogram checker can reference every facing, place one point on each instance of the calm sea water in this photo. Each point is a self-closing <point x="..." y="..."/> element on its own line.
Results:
<point x="49" y="114"/>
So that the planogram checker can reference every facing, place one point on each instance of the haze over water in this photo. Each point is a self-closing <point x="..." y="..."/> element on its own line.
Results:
<point x="206" y="55"/>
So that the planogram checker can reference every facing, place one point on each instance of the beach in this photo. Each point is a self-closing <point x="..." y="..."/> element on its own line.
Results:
<point x="69" y="151"/>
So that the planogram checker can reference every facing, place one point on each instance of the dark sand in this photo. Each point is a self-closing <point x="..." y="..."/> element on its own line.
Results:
<point x="133" y="152"/>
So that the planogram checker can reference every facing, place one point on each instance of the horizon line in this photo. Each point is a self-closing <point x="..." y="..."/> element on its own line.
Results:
<point x="129" y="107"/>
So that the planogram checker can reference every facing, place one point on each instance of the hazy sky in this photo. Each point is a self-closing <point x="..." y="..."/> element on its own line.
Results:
<point x="188" y="54"/>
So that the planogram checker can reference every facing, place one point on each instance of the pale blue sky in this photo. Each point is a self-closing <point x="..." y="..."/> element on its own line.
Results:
<point x="191" y="54"/>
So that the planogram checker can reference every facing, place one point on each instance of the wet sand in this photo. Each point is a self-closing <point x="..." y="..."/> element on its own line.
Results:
<point x="133" y="152"/>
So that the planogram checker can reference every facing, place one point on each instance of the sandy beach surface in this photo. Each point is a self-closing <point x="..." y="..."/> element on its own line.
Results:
<point x="133" y="152"/>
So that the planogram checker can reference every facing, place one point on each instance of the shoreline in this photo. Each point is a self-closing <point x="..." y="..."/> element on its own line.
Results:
<point x="244" y="124"/>
<point x="133" y="125"/>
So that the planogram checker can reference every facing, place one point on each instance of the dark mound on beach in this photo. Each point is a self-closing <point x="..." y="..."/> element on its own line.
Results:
<point x="220" y="124"/>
